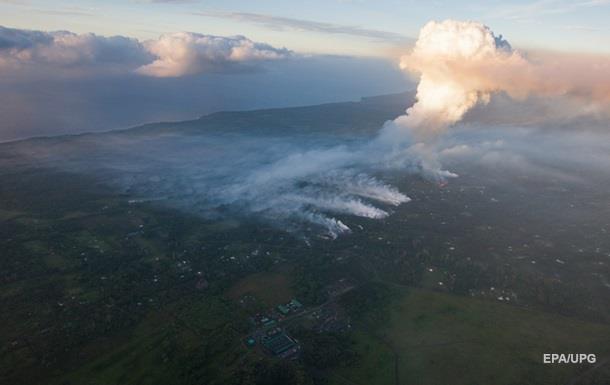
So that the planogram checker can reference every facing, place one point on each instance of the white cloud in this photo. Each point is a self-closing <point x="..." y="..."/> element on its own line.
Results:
<point x="172" y="55"/>
<point x="35" y="50"/>
<point x="183" y="53"/>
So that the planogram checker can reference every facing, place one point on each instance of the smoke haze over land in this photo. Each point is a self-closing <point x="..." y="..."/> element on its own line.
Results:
<point x="479" y="102"/>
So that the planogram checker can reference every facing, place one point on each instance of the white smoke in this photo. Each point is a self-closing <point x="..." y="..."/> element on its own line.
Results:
<point x="311" y="187"/>
<point x="444" y="94"/>
<point x="463" y="63"/>
<point x="367" y="187"/>
<point x="444" y="56"/>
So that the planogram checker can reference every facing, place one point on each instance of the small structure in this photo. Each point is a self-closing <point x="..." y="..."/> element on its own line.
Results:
<point x="291" y="307"/>
<point x="281" y="345"/>
<point x="283" y="309"/>
<point x="295" y="305"/>
<point x="267" y="322"/>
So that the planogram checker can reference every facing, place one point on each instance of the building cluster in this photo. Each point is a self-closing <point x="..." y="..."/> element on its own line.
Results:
<point x="278" y="343"/>
<point x="291" y="307"/>
<point x="274" y="339"/>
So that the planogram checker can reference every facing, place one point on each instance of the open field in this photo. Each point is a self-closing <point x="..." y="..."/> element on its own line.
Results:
<point x="272" y="288"/>
<point x="166" y="347"/>
<point x="439" y="338"/>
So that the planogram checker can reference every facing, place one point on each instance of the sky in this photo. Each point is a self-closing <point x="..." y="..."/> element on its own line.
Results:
<point x="354" y="27"/>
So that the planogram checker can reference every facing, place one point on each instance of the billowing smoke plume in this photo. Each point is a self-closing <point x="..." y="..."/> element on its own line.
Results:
<point x="461" y="64"/>
<point x="448" y="56"/>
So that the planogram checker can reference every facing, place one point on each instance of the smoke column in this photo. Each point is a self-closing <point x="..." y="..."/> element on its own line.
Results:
<point x="447" y="55"/>
<point x="462" y="63"/>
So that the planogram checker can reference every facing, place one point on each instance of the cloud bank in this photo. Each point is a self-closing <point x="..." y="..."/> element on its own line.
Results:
<point x="24" y="50"/>
<point x="171" y="55"/>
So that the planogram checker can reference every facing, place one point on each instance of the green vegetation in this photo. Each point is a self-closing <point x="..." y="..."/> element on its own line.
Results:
<point x="368" y="303"/>
<point x="326" y="350"/>
<point x="272" y="288"/>
<point x="439" y="338"/>
<point x="469" y="284"/>
<point x="375" y="364"/>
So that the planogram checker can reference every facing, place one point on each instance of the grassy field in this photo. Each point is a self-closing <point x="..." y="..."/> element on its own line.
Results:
<point x="164" y="347"/>
<point x="437" y="338"/>
<point x="272" y="288"/>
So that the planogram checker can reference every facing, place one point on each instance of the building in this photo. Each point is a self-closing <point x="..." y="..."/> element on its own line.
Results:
<point x="291" y="307"/>
<point x="295" y="305"/>
<point x="281" y="345"/>
<point x="283" y="309"/>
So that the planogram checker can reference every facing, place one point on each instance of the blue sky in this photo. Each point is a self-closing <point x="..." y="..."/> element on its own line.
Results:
<point x="353" y="27"/>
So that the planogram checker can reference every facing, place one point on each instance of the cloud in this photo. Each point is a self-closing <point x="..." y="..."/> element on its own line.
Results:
<point x="183" y="53"/>
<point x="278" y="23"/>
<point x="171" y="55"/>
<point x="24" y="49"/>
